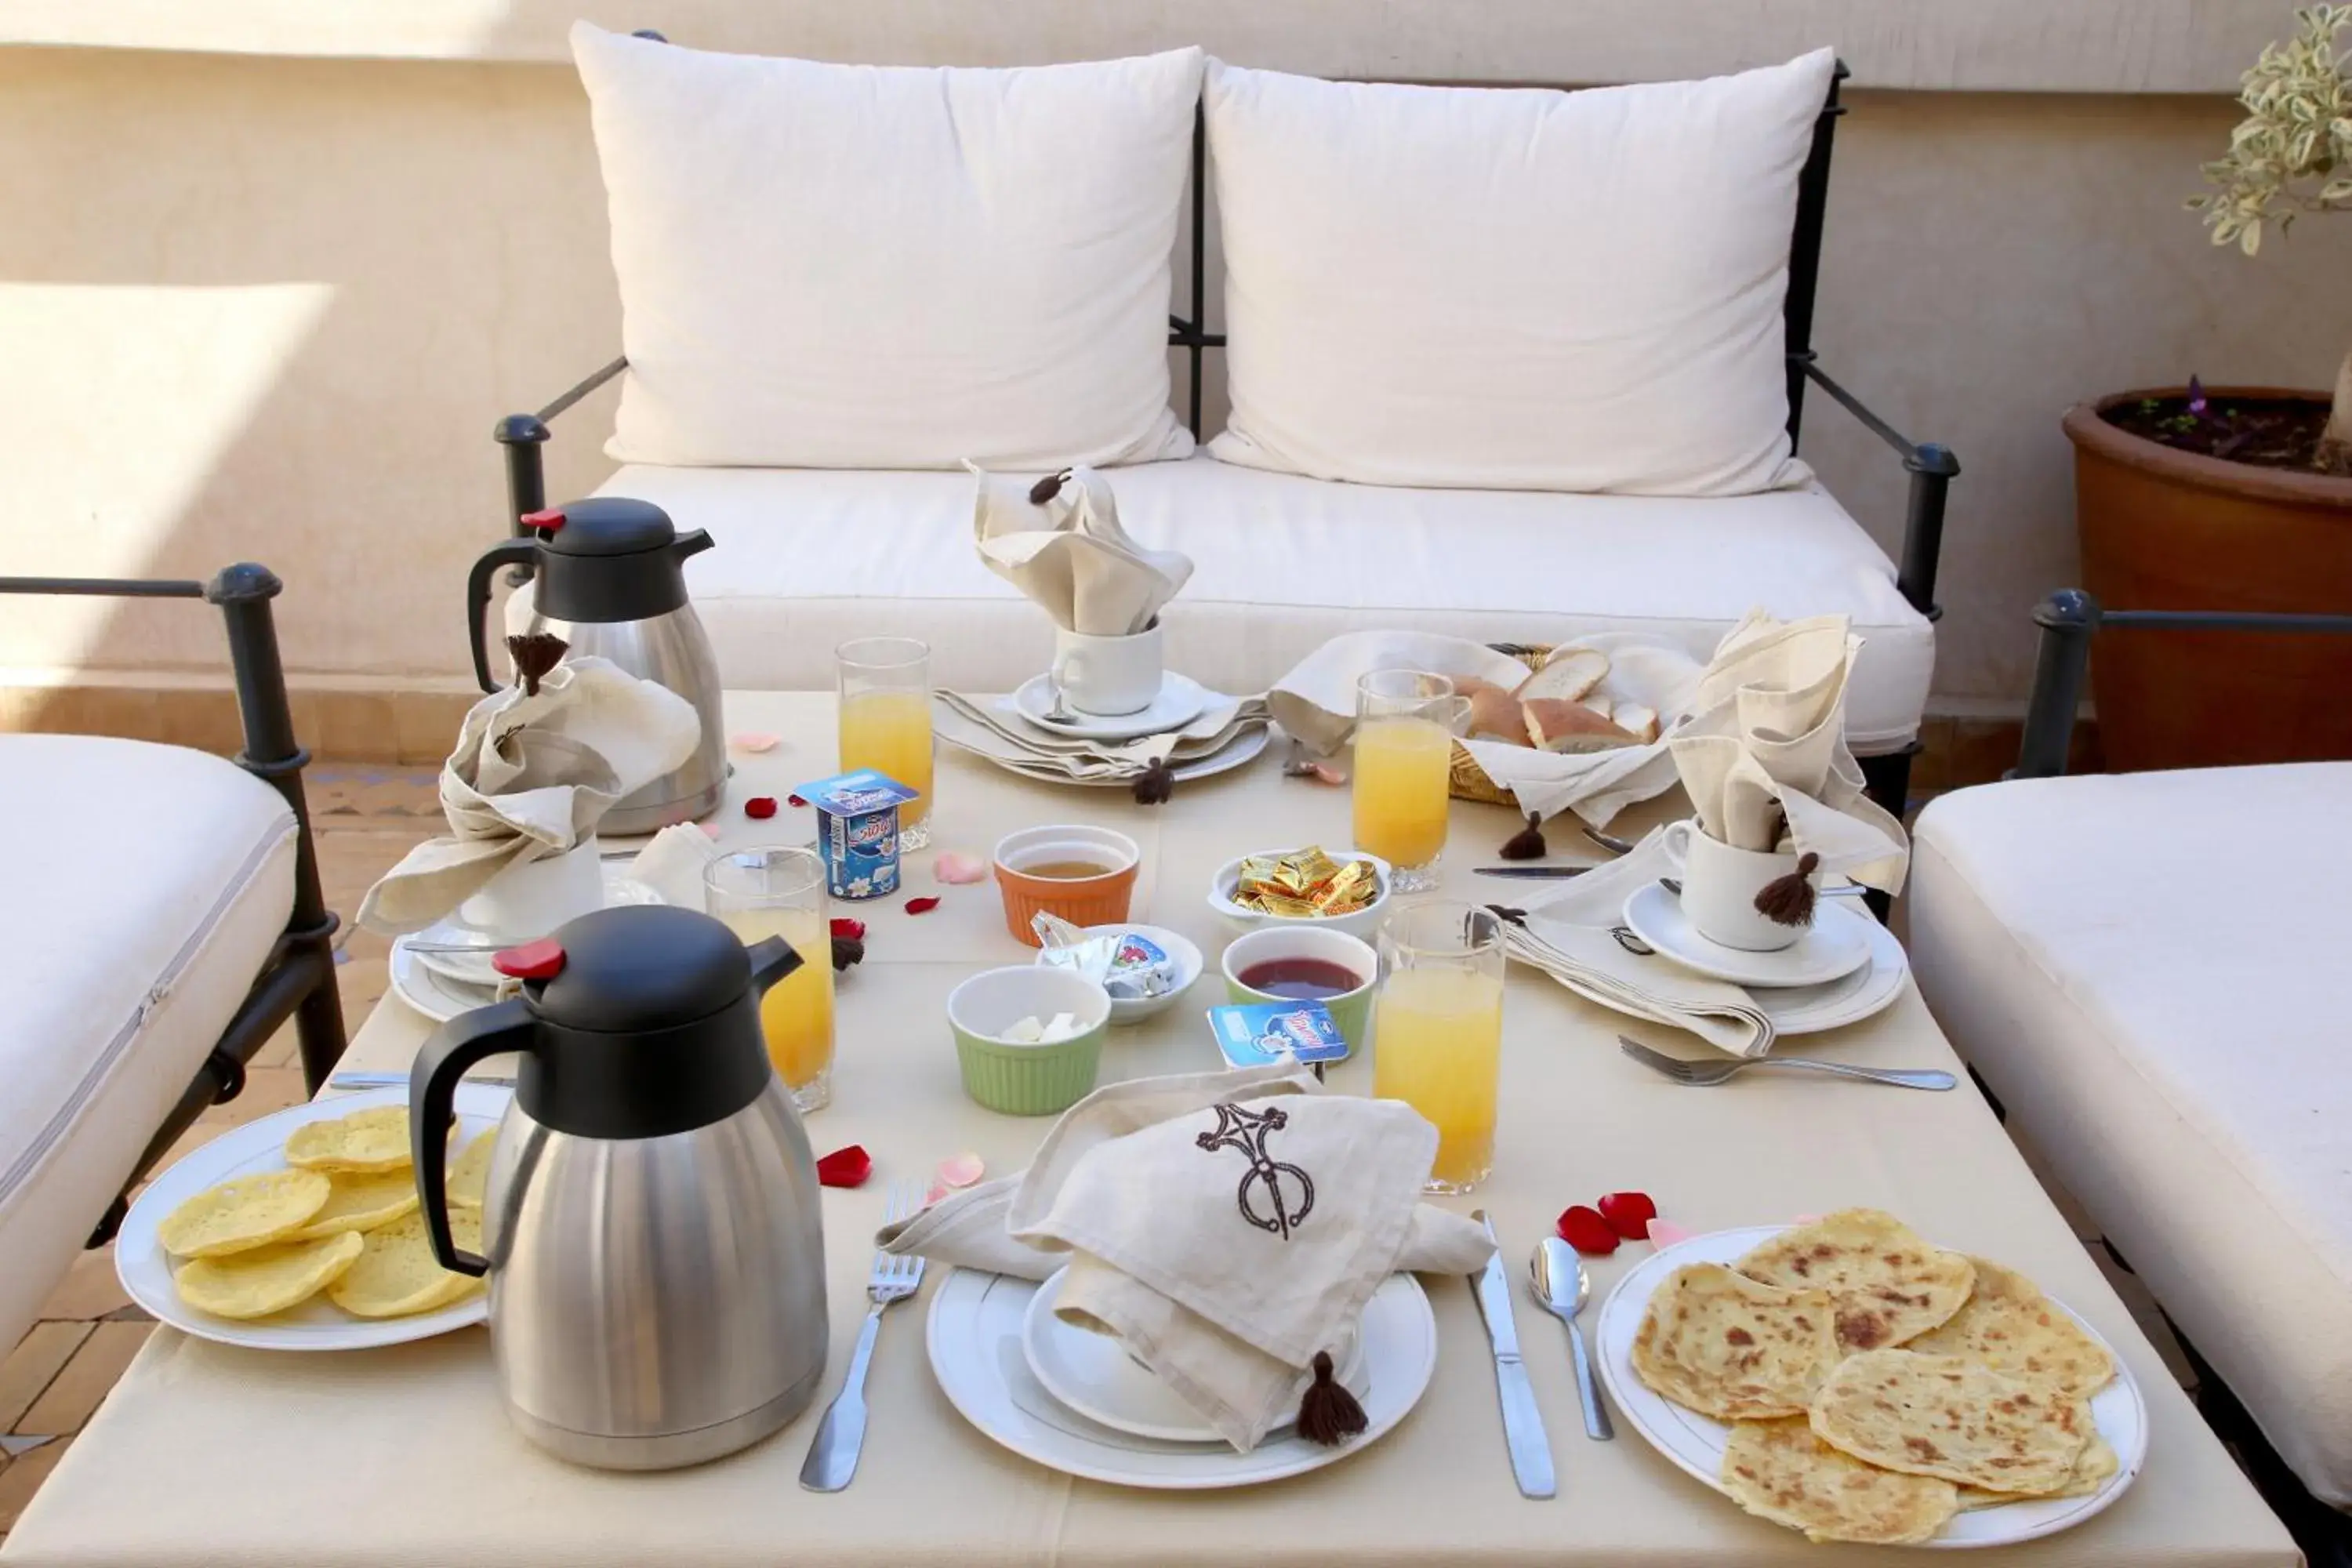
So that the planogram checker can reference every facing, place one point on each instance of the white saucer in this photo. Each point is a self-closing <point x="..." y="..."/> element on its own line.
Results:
<point x="1836" y="945"/>
<point x="474" y="968"/>
<point x="1094" y="1375"/>
<point x="1182" y="699"/>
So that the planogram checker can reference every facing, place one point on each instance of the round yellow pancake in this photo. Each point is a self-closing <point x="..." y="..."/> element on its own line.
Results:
<point x="397" y="1275"/>
<point x="1778" y="1470"/>
<point x="358" y="1201"/>
<point x="1722" y="1344"/>
<point x="374" y="1140"/>
<point x="265" y="1279"/>
<point x="2009" y="1325"/>
<point x="251" y="1211"/>
<point x="1891" y="1285"/>
<point x="469" y="1172"/>
<point x="1940" y="1415"/>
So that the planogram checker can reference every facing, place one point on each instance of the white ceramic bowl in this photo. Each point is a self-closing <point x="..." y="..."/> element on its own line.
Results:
<point x="1181" y="952"/>
<point x="1361" y="924"/>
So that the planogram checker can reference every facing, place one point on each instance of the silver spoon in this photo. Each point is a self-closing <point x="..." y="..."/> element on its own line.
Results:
<point x="1608" y="841"/>
<point x="1556" y="1274"/>
<point x="1058" y="713"/>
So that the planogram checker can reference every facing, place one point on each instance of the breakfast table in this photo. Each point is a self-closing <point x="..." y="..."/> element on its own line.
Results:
<point x="206" y="1453"/>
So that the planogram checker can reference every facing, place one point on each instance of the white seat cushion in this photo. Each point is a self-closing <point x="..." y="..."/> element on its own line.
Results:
<point x="2148" y="970"/>
<point x="806" y="560"/>
<point x="145" y="885"/>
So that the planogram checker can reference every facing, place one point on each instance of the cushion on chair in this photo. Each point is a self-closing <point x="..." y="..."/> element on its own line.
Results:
<point x="806" y="560"/>
<point x="2148" y="970"/>
<point x="828" y="266"/>
<point x="1516" y="289"/>
<point x="145" y="885"/>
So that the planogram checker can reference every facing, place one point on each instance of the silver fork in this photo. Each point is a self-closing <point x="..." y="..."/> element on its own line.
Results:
<point x="841" y="1436"/>
<point x="1707" y="1074"/>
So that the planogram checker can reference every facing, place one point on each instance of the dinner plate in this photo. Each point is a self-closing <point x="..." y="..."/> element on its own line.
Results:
<point x="1243" y="748"/>
<point x="318" y="1325"/>
<point x="1864" y="994"/>
<point x="1695" y="1442"/>
<point x="474" y="968"/>
<point x="1833" y="947"/>
<point x="435" y="996"/>
<point x="1092" y="1374"/>
<point x="1182" y="699"/>
<point x="974" y="1337"/>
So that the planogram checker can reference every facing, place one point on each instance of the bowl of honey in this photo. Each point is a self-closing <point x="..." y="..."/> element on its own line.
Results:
<point x="1085" y="874"/>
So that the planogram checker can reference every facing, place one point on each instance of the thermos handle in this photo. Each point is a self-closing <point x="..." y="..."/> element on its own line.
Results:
<point x="521" y="552"/>
<point x="772" y="958"/>
<point x="431" y="1094"/>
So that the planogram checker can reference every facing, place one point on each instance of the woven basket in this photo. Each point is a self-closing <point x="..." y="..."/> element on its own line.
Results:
<point x="1469" y="780"/>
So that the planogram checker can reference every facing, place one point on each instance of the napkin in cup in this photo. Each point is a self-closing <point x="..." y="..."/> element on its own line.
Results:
<point x="536" y="767"/>
<point x="673" y="861"/>
<point x="1059" y="541"/>
<point x="1227" y="1228"/>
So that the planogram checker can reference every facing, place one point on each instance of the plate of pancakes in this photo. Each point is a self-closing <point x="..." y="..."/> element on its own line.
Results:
<point x="1851" y="1380"/>
<point x="302" y="1231"/>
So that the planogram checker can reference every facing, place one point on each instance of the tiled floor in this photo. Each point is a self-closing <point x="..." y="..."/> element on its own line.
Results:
<point x="366" y="818"/>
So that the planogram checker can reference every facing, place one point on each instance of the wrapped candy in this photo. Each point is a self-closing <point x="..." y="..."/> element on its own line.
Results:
<point x="1304" y="884"/>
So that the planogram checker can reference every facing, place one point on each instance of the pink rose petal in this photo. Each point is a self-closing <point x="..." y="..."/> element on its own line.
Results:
<point x="1806" y="1219"/>
<point x="1326" y="773"/>
<point x="755" y="740"/>
<point x="954" y="868"/>
<point x="961" y="1170"/>
<point x="1666" y="1232"/>
<point x="709" y="829"/>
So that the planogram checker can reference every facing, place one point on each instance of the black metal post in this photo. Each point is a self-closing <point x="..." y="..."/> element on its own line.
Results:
<point x="2068" y="619"/>
<point x="522" y="435"/>
<point x="1932" y="469"/>
<point x="1200" y="323"/>
<point x="273" y="754"/>
<point x="1805" y="249"/>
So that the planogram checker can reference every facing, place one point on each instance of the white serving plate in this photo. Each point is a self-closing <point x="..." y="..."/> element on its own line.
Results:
<point x="1182" y="699"/>
<point x="1181" y="952"/>
<point x="474" y="968"/>
<point x="974" y="1338"/>
<point x="1242" y="749"/>
<point x="317" y="1324"/>
<point x="1360" y="925"/>
<point x="1833" y="947"/>
<point x="1695" y="1442"/>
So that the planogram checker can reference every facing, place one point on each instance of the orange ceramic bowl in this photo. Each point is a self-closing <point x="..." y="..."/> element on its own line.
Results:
<point x="1032" y="870"/>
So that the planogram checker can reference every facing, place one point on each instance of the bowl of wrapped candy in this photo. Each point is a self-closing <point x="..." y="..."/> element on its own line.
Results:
<point x="1339" y="890"/>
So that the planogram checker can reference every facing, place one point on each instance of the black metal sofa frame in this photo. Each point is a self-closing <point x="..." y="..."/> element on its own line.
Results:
<point x="1932" y="468"/>
<point x="297" y="979"/>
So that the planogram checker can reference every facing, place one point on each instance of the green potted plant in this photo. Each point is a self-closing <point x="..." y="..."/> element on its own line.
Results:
<point x="2232" y="498"/>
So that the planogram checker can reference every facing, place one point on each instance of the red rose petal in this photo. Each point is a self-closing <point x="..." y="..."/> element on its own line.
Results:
<point x="759" y="807"/>
<point x="844" y="927"/>
<point x="847" y="1167"/>
<point x="1628" y="1214"/>
<point x="795" y="800"/>
<point x="921" y="906"/>
<point x="1584" y="1229"/>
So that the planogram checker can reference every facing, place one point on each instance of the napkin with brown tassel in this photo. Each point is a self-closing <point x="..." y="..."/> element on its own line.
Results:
<point x="1227" y="1228"/>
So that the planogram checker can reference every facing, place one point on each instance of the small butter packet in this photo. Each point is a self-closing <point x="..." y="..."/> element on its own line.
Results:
<point x="1255" y="1034"/>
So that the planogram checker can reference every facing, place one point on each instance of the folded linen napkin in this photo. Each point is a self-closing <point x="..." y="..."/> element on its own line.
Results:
<point x="1764" y="759"/>
<point x="1566" y="933"/>
<point x="536" y="767"/>
<point x="673" y="861"/>
<point x="1226" y="1227"/>
<point x="995" y="730"/>
<point x="1058" y="540"/>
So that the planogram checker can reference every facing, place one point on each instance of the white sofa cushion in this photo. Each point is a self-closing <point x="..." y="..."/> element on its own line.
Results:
<point x="1520" y="290"/>
<point x="145" y="886"/>
<point x="828" y="266"/>
<point x="806" y="560"/>
<point x="2148" y="971"/>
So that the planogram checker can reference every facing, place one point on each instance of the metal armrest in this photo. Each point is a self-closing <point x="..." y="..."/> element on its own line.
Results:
<point x="1932" y="468"/>
<point x="2069" y="618"/>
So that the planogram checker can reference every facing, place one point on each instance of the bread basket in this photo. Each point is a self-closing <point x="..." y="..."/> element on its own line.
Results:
<point x="1469" y="780"/>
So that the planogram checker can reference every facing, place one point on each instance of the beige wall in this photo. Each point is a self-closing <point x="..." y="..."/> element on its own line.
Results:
<point x="270" y="308"/>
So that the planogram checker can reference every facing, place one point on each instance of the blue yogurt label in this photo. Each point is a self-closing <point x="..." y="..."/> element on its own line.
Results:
<point x="858" y="831"/>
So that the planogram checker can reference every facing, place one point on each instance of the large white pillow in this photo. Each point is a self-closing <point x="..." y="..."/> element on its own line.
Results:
<point x="827" y="266"/>
<point x="1509" y="288"/>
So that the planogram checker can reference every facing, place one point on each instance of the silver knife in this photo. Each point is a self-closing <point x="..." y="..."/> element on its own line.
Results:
<point x="400" y="1080"/>
<point x="1523" y="1427"/>
<point x="1536" y="873"/>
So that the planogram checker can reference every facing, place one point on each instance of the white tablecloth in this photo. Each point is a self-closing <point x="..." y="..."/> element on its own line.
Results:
<point x="206" y="1454"/>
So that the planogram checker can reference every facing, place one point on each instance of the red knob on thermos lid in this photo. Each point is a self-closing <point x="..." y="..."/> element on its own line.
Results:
<point x="549" y="520"/>
<point x="540" y="959"/>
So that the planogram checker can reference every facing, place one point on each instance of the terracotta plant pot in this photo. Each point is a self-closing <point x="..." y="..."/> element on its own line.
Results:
<point x="2168" y="530"/>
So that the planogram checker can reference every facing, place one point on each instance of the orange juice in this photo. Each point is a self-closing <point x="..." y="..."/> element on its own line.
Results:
<point x="891" y="731"/>
<point x="797" y="1015"/>
<point x="1437" y="1045"/>
<point x="1400" y="788"/>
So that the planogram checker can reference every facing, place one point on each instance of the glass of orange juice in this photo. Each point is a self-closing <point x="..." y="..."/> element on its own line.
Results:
<point x="1437" y="1031"/>
<point x="1405" y="720"/>
<point x="885" y="721"/>
<point x="778" y="891"/>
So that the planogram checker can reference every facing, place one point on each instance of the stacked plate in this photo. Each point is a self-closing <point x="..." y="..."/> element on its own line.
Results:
<point x="1198" y="732"/>
<point x="445" y="969"/>
<point x="1845" y="968"/>
<point x="1075" y="1402"/>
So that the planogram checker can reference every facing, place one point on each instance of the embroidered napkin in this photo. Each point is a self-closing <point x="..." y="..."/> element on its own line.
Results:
<point x="535" y="769"/>
<point x="1227" y="1228"/>
<point x="1058" y="540"/>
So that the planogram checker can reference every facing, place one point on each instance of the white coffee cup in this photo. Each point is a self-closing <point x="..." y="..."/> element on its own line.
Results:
<point x="526" y="901"/>
<point x="1108" y="676"/>
<point x="1720" y="885"/>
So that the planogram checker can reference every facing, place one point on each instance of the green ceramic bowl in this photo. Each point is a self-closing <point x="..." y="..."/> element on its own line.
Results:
<point x="1027" y="1080"/>
<point x="1352" y="1011"/>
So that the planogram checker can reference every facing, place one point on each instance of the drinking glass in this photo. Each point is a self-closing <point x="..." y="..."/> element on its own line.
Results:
<point x="1437" y="1031"/>
<point x="885" y="721"/>
<point x="1405" y="750"/>
<point x="778" y="891"/>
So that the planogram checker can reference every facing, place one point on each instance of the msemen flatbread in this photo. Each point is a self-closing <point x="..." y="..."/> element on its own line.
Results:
<point x="1941" y="1415"/>
<point x="1778" y="1470"/>
<point x="1730" y="1347"/>
<point x="374" y="1140"/>
<point x="2009" y="1325"/>
<point x="469" y="1172"/>
<point x="1891" y="1285"/>
<point x="2090" y="1473"/>
<point x="358" y="1201"/>
<point x="265" y="1279"/>
<point x="251" y="1211"/>
<point x="397" y="1273"/>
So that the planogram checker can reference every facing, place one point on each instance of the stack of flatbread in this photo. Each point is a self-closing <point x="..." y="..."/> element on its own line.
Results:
<point x="1877" y="1384"/>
